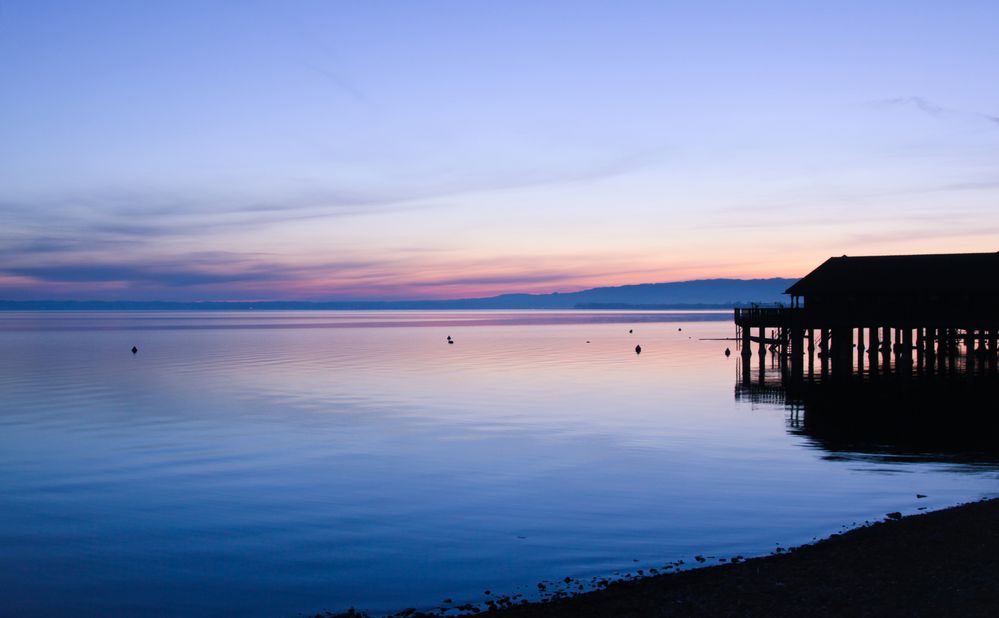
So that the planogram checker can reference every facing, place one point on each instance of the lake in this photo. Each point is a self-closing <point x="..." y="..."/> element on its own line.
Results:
<point x="277" y="463"/>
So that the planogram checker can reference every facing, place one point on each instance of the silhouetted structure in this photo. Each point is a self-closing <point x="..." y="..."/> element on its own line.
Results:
<point x="950" y="418"/>
<point x="953" y="417"/>
<point x="944" y="309"/>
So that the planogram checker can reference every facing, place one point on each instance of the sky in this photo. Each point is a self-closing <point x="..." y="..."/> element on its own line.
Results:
<point x="387" y="150"/>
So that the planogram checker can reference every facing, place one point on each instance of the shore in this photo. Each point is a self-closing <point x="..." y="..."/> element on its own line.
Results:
<point x="935" y="564"/>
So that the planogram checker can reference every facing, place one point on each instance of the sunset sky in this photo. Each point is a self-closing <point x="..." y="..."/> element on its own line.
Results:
<point x="333" y="150"/>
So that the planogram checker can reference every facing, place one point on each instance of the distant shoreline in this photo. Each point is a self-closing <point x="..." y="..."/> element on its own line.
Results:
<point x="678" y="295"/>
<point x="340" y="306"/>
<point x="935" y="564"/>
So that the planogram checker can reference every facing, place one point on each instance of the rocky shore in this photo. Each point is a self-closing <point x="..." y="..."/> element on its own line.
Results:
<point x="943" y="563"/>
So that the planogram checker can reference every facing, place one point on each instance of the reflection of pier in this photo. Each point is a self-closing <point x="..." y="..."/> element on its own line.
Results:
<point x="943" y="418"/>
<point x="949" y="417"/>
<point x="883" y="357"/>
<point x="762" y="393"/>
<point x="878" y="316"/>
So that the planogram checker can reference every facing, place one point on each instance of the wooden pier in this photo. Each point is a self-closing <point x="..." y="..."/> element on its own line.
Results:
<point x="881" y="315"/>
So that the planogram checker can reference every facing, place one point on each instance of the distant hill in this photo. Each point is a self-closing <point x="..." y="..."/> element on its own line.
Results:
<point x="698" y="294"/>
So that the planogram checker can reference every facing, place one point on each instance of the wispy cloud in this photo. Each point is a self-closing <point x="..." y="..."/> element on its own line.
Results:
<point x="909" y="234"/>
<point x="799" y="210"/>
<point x="918" y="103"/>
<point x="520" y="278"/>
<point x="191" y="270"/>
<point x="931" y="108"/>
<point x="261" y="276"/>
<point x="340" y="83"/>
<point x="115" y="213"/>
<point x="158" y="275"/>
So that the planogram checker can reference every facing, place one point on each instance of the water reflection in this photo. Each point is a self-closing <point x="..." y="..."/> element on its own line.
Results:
<point x="946" y="418"/>
<point x="265" y="464"/>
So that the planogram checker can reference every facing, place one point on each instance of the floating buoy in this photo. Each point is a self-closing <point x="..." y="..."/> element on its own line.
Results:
<point x="679" y="329"/>
<point x="135" y="350"/>
<point x="638" y="349"/>
<point x="728" y="352"/>
<point x="630" y="330"/>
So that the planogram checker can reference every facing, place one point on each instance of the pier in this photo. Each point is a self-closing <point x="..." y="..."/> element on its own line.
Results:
<point x="880" y="315"/>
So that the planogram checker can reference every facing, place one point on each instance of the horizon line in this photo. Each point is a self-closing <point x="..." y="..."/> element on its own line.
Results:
<point x="377" y="300"/>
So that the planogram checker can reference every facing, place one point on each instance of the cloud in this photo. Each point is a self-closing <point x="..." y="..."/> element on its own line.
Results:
<point x="341" y="84"/>
<point x="165" y="276"/>
<point x="194" y="269"/>
<point x="105" y="215"/>
<point x="921" y="234"/>
<point x="916" y="102"/>
<point x="133" y="239"/>
<point x="41" y="246"/>
<point x="930" y="108"/>
<point x="511" y="278"/>
<point x="252" y="275"/>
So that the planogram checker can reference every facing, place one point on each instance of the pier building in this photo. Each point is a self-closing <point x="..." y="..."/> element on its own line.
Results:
<point x="878" y="315"/>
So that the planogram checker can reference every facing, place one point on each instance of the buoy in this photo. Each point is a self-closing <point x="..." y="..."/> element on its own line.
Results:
<point x="679" y="329"/>
<point x="630" y="331"/>
<point x="450" y="341"/>
<point x="135" y="350"/>
<point x="728" y="352"/>
<point x="638" y="349"/>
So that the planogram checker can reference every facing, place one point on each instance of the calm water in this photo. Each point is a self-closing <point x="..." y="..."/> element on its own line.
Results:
<point x="266" y="464"/>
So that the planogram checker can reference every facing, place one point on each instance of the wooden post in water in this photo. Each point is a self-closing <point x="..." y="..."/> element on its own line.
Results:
<point x="920" y="342"/>
<point x="796" y="344"/>
<point x="985" y="359"/>
<point x="897" y="349"/>
<point x="843" y="346"/>
<point x="993" y="352"/>
<point x="747" y="354"/>
<point x="837" y="342"/>
<point x="824" y="350"/>
<point x="942" y="349"/>
<point x="763" y="346"/>
<point x="987" y="351"/>
<point x="811" y="352"/>
<point x="931" y="340"/>
<point x="886" y="349"/>
<point x="951" y="349"/>
<point x="970" y="351"/>
<point x="906" y="350"/>
<point x="781" y="350"/>
<point x="872" y="348"/>
<point x="860" y="350"/>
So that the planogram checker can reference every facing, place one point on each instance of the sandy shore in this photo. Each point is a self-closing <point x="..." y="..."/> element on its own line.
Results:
<point x="944" y="563"/>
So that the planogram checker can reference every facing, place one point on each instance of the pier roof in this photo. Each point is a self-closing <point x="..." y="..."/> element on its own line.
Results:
<point x="928" y="275"/>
